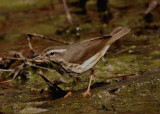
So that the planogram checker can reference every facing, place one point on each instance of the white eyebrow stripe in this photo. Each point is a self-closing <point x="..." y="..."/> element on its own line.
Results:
<point x="58" y="50"/>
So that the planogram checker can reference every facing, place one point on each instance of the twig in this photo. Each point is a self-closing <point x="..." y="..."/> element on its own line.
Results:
<point x="114" y="109"/>
<point x="59" y="81"/>
<point x="22" y="59"/>
<point x="6" y="70"/>
<point x="13" y="58"/>
<point x="1" y="58"/>
<point x="50" y="83"/>
<point x="53" y="86"/>
<point x="30" y="45"/>
<point x="28" y="61"/>
<point x="16" y="54"/>
<point x="6" y="81"/>
<point x="124" y="50"/>
<point x="32" y="65"/>
<point x="127" y="75"/>
<point x="152" y="6"/>
<point x="15" y="74"/>
<point x="68" y="15"/>
<point x="44" y="37"/>
<point x="20" y="68"/>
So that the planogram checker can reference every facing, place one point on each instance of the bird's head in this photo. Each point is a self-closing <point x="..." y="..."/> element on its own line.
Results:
<point x="55" y="54"/>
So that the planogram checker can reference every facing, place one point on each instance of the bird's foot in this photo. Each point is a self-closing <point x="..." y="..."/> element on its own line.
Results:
<point x="86" y="93"/>
<point x="68" y="94"/>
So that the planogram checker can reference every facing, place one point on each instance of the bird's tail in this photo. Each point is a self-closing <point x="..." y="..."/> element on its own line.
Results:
<point x="118" y="33"/>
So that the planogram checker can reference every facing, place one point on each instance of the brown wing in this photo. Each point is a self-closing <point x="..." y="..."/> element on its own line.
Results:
<point x="79" y="52"/>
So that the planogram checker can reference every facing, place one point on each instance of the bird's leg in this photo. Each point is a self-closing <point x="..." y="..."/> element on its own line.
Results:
<point x="87" y="92"/>
<point x="70" y="92"/>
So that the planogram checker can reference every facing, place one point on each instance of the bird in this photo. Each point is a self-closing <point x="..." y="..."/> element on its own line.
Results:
<point x="75" y="59"/>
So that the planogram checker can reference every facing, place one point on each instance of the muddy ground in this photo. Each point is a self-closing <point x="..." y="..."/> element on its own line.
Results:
<point x="137" y="53"/>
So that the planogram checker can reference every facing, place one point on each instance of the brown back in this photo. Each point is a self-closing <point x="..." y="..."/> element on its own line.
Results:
<point x="82" y="51"/>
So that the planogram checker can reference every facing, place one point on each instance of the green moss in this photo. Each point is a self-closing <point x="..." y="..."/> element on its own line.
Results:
<point x="21" y="5"/>
<point x="40" y="29"/>
<point x="59" y="20"/>
<point x="119" y="64"/>
<point x="2" y="18"/>
<point x="7" y="109"/>
<point x="124" y="3"/>
<point x="12" y="37"/>
<point x="137" y="96"/>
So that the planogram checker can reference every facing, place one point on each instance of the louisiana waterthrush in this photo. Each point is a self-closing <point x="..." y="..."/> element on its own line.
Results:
<point x="74" y="59"/>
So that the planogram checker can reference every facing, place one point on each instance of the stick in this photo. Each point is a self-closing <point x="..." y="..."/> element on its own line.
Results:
<point x="6" y="81"/>
<point x="6" y="70"/>
<point x="68" y="15"/>
<point x="122" y="76"/>
<point x="32" y="65"/>
<point x="1" y="58"/>
<point x="20" y="68"/>
<point x="30" y="45"/>
<point x="152" y="6"/>
<point x="124" y="50"/>
<point x="44" y="37"/>
<point x="13" y="58"/>
<point x="22" y="59"/>
<point x="50" y="83"/>
<point x="28" y="62"/>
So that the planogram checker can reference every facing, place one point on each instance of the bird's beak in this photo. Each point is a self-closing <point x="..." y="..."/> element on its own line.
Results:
<point x="40" y="58"/>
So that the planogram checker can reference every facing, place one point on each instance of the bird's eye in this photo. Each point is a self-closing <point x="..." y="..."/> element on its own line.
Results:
<point x="52" y="53"/>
